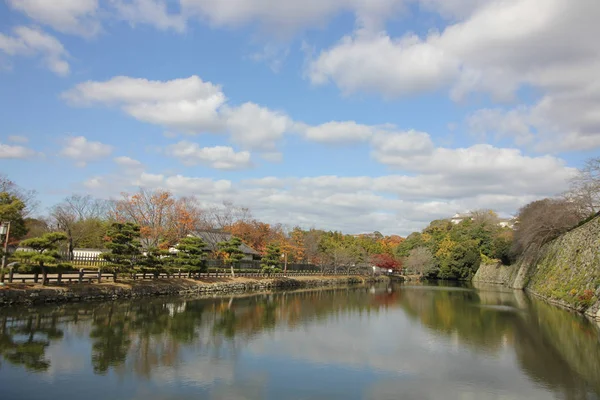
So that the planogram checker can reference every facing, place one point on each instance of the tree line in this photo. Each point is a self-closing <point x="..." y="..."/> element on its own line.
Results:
<point x="150" y="229"/>
<point x="444" y="250"/>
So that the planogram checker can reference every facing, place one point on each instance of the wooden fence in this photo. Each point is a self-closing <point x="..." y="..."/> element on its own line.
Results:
<point x="97" y="276"/>
<point x="94" y="260"/>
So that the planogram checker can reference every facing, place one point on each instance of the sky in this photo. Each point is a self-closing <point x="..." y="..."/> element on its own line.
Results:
<point x="352" y="115"/>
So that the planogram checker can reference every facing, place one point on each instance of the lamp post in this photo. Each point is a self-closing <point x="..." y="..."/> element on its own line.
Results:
<point x="284" y="256"/>
<point x="4" y="231"/>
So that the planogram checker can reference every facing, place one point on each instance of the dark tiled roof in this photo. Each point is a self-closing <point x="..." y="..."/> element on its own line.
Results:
<point x="213" y="237"/>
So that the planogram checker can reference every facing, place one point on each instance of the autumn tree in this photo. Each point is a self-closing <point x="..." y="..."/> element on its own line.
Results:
<point x="124" y="246"/>
<point x="386" y="261"/>
<point x="254" y="233"/>
<point x="81" y="219"/>
<point x="296" y="251"/>
<point x="339" y="251"/>
<point x="44" y="251"/>
<point x="162" y="218"/>
<point x="230" y="252"/>
<point x="312" y="247"/>
<point x="272" y="258"/>
<point x="226" y="215"/>
<point x="389" y="244"/>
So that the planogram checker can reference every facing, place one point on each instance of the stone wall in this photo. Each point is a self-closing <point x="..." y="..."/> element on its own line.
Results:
<point x="183" y="287"/>
<point x="568" y="269"/>
<point x="565" y="272"/>
<point x="496" y="273"/>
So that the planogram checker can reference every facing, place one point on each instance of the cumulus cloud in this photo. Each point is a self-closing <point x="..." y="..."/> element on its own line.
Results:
<point x="377" y="63"/>
<point x="27" y="41"/>
<point x="152" y="12"/>
<point x="67" y="16"/>
<point x="129" y="165"/>
<point x="337" y="132"/>
<point x="188" y="105"/>
<point x="441" y="182"/>
<point x="8" y="151"/>
<point x="83" y="151"/>
<point x="217" y="157"/>
<point x="398" y="148"/>
<point x="255" y="127"/>
<point x="493" y="47"/>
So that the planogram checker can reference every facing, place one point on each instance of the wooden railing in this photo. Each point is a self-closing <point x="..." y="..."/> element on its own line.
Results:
<point x="97" y="276"/>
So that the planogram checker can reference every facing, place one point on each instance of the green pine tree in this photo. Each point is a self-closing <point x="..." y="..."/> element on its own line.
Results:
<point x="124" y="245"/>
<point x="45" y="251"/>
<point x="231" y="252"/>
<point x="271" y="261"/>
<point x="191" y="252"/>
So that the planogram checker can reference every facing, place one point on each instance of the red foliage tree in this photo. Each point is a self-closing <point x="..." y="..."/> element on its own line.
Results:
<point x="386" y="261"/>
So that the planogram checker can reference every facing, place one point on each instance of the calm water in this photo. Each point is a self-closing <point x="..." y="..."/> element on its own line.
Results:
<point x="396" y="342"/>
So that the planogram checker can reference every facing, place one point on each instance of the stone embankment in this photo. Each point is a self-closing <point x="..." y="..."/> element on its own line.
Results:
<point x="565" y="272"/>
<point x="24" y="294"/>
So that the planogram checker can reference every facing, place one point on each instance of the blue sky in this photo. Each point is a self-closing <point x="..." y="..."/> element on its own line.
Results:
<point x="342" y="114"/>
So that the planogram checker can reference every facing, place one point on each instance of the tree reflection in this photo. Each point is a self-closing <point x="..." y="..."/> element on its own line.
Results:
<point x="24" y="341"/>
<point x="110" y="335"/>
<point x="557" y="349"/>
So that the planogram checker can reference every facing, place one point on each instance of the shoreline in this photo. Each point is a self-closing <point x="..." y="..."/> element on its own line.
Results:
<point x="592" y="312"/>
<point x="32" y="294"/>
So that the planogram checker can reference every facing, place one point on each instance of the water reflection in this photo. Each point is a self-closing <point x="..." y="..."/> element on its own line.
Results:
<point x="368" y="342"/>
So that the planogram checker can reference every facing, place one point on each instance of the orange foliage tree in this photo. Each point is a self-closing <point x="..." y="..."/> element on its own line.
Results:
<point x="163" y="219"/>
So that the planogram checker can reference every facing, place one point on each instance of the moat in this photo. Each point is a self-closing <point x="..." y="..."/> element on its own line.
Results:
<point x="369" y="342"/>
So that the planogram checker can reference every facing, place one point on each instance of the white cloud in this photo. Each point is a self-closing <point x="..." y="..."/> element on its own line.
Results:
<point x="493" y="47"/>
<point x="18" y="139"/>
<point x="8" y="151"/>
<point x="377" y="63"/>
<point x="125" y="90"/>
<point x="82" y="151"/>
<point x="398" y="148"/>
<point x="28" y="41"/>
<point x="129" y="164"/>
<point x="499" y="123"/>
<point x="286" y="16"/>
<point x="273" y="156"/>
<point x="441" y="182"/>
<point x="152" y="12"/>
<point x="256" y="127"/>
<point x="338" y="132"/>
<point x="96" y="182"/>
<point x="150" y="180"/>
<point x="218" y="157"/>
<point x="188" y="105"/>
<point x="67" y="16"/>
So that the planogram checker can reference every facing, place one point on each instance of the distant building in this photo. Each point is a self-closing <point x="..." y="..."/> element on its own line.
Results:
<point x="458" y="218"/>
<point x="507" y="222"/>
<point x="503" y="222"/>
